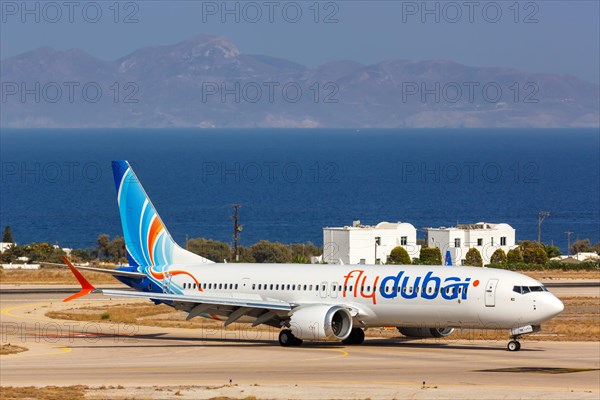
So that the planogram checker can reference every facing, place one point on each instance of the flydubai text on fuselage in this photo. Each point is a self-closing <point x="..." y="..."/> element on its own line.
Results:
<point x="318" y="301"/>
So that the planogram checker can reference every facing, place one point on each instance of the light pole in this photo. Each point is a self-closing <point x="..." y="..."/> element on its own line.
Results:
<point x="568" y="233"/>
<point x="541" y="216"/>
<point x="377" y="243"/>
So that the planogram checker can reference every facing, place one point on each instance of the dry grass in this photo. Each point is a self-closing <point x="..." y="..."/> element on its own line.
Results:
<point x="141" y="314"/>
<point x="579" y="322"/>
<point x="548" y="275"/>
<point x="10" y="349"/>
<point x="50" y="276"/>
<point x="43" y="393"/>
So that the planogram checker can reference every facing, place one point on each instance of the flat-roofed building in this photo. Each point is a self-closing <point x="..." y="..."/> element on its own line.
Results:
<point x="483" y="236"/>
<point x="364" y="244"/>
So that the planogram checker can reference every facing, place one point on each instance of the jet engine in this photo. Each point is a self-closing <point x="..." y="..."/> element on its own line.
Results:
<point x="425" y="332"/>
<point x="320" y="322"/>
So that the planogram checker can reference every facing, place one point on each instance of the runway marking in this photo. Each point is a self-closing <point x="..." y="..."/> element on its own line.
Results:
<point x="7" y="311"/>
<point x="63" y="350"/>
<point x="343" y="354"/>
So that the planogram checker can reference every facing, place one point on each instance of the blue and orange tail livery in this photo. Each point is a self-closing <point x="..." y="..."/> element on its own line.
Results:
<point x="147" y="239"/>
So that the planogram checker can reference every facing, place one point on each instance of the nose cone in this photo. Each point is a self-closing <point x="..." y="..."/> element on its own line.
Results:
<point x="553" y="307"/>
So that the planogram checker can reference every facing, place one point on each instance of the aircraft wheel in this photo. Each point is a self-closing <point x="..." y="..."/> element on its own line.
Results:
<point x="286" y="338"/>
<point x="514" y="345"/>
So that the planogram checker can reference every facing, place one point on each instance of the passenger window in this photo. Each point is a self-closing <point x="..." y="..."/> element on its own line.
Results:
<point x="368" y="288"/>
<point x="305" y="288"/>
<point x="253" y="286"/>
<point x="236" y="286"/>
<point x="351" y="287"/>
<point x="271" y="286"/>
<point x="310" y="287"/>
<point x="293" y="287"/>
<point x="220" y="285"/>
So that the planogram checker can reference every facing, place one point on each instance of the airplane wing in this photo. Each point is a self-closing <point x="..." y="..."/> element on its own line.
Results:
<point x="268" y="312"/>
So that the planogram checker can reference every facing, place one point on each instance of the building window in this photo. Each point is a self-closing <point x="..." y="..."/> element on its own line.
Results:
<point x="479" y="242"/>
<point x="503" y="241"/>
<point x="457" y="242"/>
<point x="403" y="240"/>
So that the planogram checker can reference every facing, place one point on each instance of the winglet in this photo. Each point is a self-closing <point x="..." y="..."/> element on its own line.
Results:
<point x="86" y="286"/>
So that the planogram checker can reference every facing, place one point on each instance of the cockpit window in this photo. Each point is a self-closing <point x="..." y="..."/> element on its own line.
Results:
<point x="528" y="289"/>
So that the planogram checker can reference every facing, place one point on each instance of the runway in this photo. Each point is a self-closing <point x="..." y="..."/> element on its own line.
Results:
<point x="70" y="352"/>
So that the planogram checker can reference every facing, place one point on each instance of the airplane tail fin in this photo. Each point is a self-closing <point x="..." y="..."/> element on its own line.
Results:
<point x="147" y="240"/>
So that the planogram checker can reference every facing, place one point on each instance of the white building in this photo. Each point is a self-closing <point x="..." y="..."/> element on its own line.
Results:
<point x="5" y="246"/>
<point x="362" y="244"/>
<point x="578" y="257"/>
<point x="485" y="237"/>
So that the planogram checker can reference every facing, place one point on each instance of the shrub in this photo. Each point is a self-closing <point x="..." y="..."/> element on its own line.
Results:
<point x="499" y="257"/>
<point x="473" y="258"/>
<point x="514" y="256"/>
<point x="268" y="252"/>
<point x="552" y="251"/>
<point x="430" y="256"/>
<point x="399" y="255"/>
<point x="535" y="255"/>
<point x="212" y="249"/>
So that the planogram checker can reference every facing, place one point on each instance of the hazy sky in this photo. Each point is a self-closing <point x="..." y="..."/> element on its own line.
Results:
<point x="541" y="36"/>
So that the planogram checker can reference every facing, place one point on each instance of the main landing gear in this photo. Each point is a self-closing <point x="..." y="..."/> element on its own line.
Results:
<point x="287" y="338"/>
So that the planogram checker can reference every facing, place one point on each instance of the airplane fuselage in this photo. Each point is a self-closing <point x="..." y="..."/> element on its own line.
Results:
<point x="388" y="295"/>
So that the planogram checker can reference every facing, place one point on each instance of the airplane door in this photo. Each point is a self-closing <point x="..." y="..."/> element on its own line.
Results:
<point x="167" y="282"/>
<point x="334" y="290"/>
<point x="490" y="293"/>
<point x="323" y="289"/>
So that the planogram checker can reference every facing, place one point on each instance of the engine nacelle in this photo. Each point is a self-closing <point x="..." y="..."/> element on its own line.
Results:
<point x="425" y="332"/>
<point x="320" y="322"/>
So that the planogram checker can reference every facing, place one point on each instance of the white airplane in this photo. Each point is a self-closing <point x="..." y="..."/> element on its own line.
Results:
<point x="317" y="302"/>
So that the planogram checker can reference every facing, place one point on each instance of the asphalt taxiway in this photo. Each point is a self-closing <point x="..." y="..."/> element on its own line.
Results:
<point x="71" y="352"/>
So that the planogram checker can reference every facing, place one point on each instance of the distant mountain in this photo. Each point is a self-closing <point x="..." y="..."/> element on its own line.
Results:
<point x="206" y="82"/>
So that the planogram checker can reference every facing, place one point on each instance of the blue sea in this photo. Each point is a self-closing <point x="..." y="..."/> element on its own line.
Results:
<point x="57" y="185"/>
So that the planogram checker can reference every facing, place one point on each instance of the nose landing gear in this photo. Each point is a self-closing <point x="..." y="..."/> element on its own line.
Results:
<point x="513" y="345"/>
<point x="516" y="333"/>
